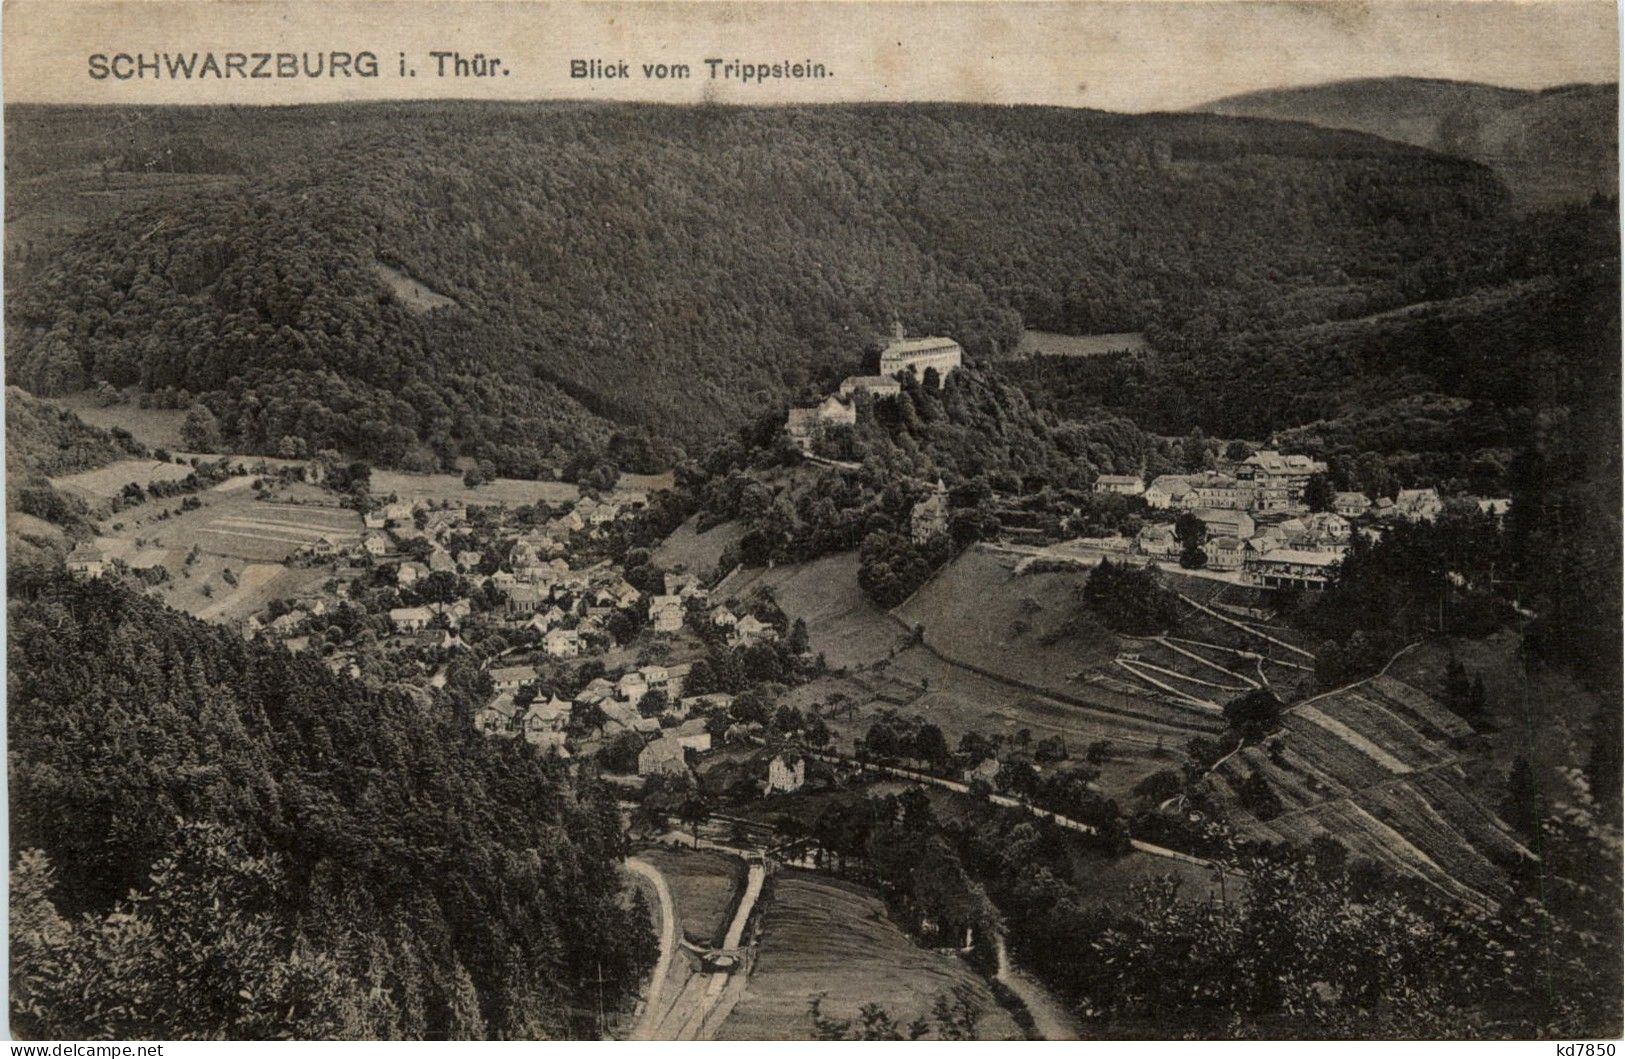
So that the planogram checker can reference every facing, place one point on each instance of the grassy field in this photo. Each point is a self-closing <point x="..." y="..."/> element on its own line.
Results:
<point x="156" y="428"/>
<point x="704" y="886"/>
<point x="1049" y="344"/>
<point x="696" y="552"/>
<point x="236" y="526"/>
<point x="824" y="937"/>
<point x="106" y="481"/>
<point x="1144" y="732"/>
<point x="1042" y="663"/>
<point x="435" y="487"/>
<point x="232" y="532"/>
<point x="412" y="294"/>
<point x="510" y="491"/>
<point x="1107" y="881"/>
<point x="842" y="623"/>
<point x="977" y="610"/>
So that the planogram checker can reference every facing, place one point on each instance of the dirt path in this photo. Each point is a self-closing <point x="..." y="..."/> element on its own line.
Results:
<point x="703" y="1023"/>
<point x="1050" y="1017"/>
<point x="668" y="944"/>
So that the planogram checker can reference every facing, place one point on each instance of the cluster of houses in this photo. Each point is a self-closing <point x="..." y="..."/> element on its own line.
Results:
<point x="901" y="356"/>
<point x="604" y="708"/>
<point x="570" y="609"/>
<point x="1257" y="522"/>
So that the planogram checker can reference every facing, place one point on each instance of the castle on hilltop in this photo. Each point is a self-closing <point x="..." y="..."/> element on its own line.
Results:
<point x="914" y="355"/>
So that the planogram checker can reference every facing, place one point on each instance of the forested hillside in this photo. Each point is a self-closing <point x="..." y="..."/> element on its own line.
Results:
<point x="46" y="440"/>
<point x="1553" y="145"/>
<point x="674" y="269"/>
<point x="1534" y="333"/>
<point x="215" y="839"/>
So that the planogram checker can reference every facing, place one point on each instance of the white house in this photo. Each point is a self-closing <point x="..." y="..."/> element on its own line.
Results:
<point x="1351" y="505"/>
<point x="876" y="386"/>
<point x="496" y="718"/>
<point x="664" y="755"/>
<point x="749" y="630"/>
<point x="1158" y="541"/>
<point x="693" y="735"/>
<point x="786" y="772"/>
<point x="1225" y="523"/>
<point x="1223" y="553"/>
<point x="87" y="560"/>
<point x="666" y="613"/>
<point x="805" y="424"/>
<point x="1292" y="568"/>
<point x="632" y="687"/>
<point x="511" y="678"/>
<point x="562" y="643"/>
<point x="1418" y="505"/>
<point x="410" y="619"/>
<point x="1121" y="484"/>
<point x="544" y="723"/>
<point x="1167" y="490"/>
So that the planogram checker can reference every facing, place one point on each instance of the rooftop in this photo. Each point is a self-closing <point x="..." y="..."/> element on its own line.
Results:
<point x="920" y="345"/>
<point x="1294" y="555"/>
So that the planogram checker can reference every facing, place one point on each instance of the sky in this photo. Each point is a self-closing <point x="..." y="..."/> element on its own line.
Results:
<point x="1117" y="55"/>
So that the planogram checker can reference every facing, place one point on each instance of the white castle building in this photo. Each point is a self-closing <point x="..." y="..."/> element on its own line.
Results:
<point x="917" y="354"/>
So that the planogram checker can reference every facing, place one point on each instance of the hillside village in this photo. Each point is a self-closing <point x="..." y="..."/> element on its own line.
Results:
<point x="578" y="659"/>
<point x="585" y="658"/>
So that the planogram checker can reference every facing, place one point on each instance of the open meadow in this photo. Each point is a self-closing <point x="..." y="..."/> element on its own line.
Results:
<point x="825" y="937"/>
<point x="705" y="886"/>
<point x="686" y="548"/>
<point x="842" y="623"/>
<point x="156" y="428"/>
<point x="227" y="558"/>
<point x="1050" y="344"/>
<point x="108" y="480"/>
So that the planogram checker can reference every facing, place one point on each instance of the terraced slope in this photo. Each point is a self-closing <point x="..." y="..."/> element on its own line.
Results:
<point x="1375" y="766"/>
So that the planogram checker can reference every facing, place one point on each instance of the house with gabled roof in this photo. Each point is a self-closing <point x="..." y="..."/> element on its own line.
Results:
<point x="410" y="619"/>
<point x="511" y="678"/>
<point x="562" y="643"/>
<point x="497" y="717"/>
<point x="1121" y="484"/>
<point x="664" y="756"/>
<point x="87" y="560"/>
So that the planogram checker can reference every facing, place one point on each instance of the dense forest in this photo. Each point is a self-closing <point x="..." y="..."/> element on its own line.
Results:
<point x="995" y="453"/>
<point x="42" y="439"/>
<point x="431" y="281"/>
<point x="215" y="839"/>
<point x="1531" y="333"/>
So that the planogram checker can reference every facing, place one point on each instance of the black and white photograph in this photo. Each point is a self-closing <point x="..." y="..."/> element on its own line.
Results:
<point x="643" y="522"/>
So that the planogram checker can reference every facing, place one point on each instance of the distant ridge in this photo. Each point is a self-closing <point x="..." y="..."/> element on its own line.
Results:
<point x="1550" y="145"/>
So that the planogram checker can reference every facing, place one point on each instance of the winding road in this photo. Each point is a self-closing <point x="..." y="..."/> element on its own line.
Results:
<point x="668" y="944"/>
